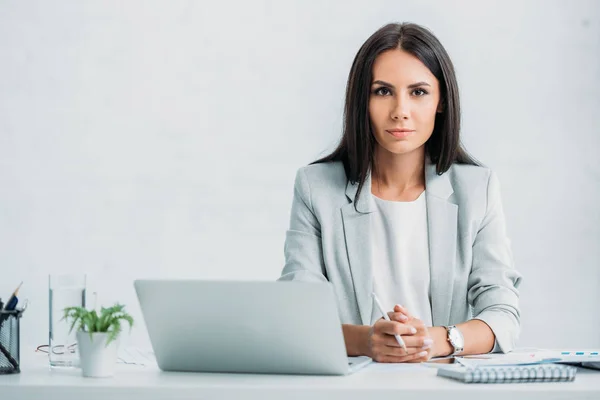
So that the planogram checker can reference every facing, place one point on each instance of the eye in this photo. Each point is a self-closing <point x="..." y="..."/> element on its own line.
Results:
<point x="419" y="92"/>
<point x="382" y="91"/>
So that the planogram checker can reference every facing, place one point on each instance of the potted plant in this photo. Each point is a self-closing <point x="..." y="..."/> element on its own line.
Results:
<point x="97" y="337"/>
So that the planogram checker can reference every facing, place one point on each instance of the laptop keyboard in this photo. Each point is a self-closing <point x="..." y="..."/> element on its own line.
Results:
<point x="136" y="356"/>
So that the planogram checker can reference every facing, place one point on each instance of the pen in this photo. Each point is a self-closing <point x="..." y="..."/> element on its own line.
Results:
<point x="11" y="304"/>
<point x="387" y="318"/>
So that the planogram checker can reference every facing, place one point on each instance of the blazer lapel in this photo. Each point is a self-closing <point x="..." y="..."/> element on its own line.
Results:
<point x="358" y="244"/>
<point x="442" y="219"/>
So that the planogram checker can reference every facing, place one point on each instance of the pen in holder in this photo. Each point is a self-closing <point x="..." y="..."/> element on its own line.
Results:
<point x="9" y="341"/>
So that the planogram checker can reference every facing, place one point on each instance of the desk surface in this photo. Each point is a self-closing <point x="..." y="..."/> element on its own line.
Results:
<point x="37" y="381"/>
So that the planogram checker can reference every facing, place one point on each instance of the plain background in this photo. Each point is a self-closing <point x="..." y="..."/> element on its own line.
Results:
<point x="147" y="139"/>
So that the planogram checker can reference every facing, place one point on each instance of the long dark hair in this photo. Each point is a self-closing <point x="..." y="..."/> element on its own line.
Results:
<point x="356" y="148"/>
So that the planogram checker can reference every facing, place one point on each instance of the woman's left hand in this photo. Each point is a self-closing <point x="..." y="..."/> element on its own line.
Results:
<point x="420" y="340"/>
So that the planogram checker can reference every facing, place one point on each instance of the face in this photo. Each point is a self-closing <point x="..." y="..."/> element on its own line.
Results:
<point x="403" y="103"/>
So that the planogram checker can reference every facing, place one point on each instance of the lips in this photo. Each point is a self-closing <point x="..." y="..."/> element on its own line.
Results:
<point x="400" y="133"/>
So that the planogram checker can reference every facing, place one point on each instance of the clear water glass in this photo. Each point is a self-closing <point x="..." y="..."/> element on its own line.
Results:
<point x="65" y="290"/>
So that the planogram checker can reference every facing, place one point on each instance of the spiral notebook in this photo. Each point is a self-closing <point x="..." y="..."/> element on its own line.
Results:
<point x="514" y="374"/>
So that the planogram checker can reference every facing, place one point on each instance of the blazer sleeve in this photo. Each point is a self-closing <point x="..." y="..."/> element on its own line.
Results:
<point x="303" y="251"/>
<point x="493" y="282"/>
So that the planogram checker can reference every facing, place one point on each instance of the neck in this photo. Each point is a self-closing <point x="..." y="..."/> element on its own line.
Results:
<point x="397" y="174"/>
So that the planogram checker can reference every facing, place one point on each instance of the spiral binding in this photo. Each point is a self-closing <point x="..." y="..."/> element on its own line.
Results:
<point x="516" y="374"/>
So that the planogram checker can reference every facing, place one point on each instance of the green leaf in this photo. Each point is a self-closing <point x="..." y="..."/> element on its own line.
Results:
<point x="114" y="332"/>
<point x="109" y="320"/>
<point x="88" y="321"/>
<point x="74" y="314"/>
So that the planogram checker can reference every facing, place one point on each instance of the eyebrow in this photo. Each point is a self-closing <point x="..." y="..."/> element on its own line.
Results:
<point x="411" y="86"/>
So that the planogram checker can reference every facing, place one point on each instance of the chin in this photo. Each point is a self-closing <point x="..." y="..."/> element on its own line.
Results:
<point x="401" y="148"/>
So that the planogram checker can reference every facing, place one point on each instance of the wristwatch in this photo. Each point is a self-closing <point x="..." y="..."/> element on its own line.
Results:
<point x="455" y="338"/>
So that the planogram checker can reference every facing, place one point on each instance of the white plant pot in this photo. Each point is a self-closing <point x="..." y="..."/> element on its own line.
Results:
<point x="97" y="359"/>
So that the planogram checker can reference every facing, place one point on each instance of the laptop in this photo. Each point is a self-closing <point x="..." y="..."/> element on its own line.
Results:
<point x="245" y="327"/>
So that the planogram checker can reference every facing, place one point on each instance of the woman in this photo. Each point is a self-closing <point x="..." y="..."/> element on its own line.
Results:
<point x="400" y="210"/>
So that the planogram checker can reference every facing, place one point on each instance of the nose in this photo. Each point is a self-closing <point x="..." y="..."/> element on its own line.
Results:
<point x="400" y="109"/>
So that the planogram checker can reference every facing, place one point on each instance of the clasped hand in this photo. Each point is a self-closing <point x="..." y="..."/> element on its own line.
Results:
<point x="383" y="346"/>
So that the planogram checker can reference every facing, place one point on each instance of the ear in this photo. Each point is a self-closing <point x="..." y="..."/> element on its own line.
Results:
<point x="440" y="108"/>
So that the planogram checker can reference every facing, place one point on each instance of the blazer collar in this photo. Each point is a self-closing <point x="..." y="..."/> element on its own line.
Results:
<point x="365" y="203"/>
<point x="436" y="185"/>
<point x="442" y="223"/>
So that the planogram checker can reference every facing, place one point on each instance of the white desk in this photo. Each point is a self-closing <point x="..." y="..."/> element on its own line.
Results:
<point x="132" y="382"/>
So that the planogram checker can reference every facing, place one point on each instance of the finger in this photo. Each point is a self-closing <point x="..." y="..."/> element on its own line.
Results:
<point x="416" y="342"/>
<point x="394" y="328"/>
<point x="397" y="316"/>
<point x="426" y="357"/>
<point x="417" y="357"/>
<point x="397" y="351"/>
<point x="403" y="310"/>
<point x="417" y="323"/>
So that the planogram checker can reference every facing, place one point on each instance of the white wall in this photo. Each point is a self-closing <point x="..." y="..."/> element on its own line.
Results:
<point x="161" y="138"/>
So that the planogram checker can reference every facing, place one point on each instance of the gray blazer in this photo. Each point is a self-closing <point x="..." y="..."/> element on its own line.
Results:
<point x="471" y="264"/>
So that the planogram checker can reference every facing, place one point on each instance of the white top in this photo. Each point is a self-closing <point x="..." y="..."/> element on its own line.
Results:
<point x="400" y="257"/>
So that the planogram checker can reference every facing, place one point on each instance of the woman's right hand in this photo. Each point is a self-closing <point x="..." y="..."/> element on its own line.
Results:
<point x="383" y="346"/>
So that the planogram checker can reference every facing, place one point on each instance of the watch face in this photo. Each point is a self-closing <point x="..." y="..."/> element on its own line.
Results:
<point x="456" y="337"/>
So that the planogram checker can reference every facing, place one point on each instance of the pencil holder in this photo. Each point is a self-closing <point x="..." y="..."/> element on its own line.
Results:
<point x="9" y="341"/>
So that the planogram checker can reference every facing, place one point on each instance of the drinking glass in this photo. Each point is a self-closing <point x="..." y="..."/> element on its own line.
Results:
<point x="65" y="290"/>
